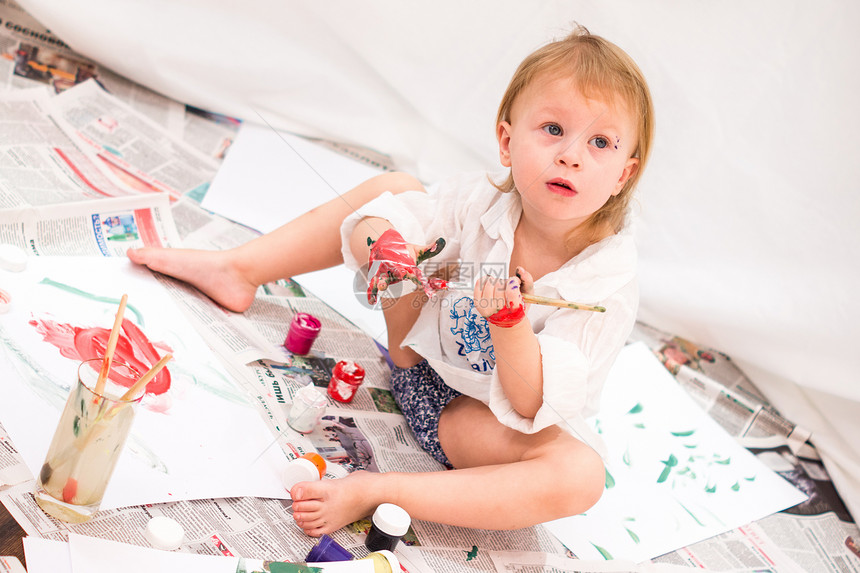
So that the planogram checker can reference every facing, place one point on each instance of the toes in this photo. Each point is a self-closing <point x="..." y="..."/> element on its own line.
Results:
<point x="309" y="506"/>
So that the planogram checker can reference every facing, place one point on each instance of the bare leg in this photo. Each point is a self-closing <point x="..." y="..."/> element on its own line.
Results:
<point x="308" y="243"/>
<point x="508" y="479"/>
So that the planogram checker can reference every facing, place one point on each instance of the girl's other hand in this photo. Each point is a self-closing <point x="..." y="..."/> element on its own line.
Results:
<point x="500" y="301"/>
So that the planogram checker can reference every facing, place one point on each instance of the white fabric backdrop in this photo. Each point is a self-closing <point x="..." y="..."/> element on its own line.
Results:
<point x="748" y="213"/>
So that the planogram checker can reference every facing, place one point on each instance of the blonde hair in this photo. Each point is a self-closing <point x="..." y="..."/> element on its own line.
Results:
<point x="600" y="69"/>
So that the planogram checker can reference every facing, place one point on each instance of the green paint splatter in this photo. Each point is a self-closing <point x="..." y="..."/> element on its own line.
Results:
<point x="696" y="519"/>
<point x="471" y="554"/>
<point x="636" y="409"/>
<point x="76" y="425"/>
<point x="609" y="481"/>
<point x="683" y="434"/>
<point x="691" y="446"/>
<point x="640" y="426"/>
<point x="711" y="488"/>
<point x="736" y="487"/>
<point x="750" y="478"/>
<point x="626" y="457"/>
<point x="606" y="554"/>
<point x="669" y="463"/>
<point x="97" y="298"/>
<point x="632" y="535"/>
<point x="723" y="462"/>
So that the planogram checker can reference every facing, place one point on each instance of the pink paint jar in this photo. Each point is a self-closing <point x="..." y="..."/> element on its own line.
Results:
<point x="304" y="329"/>
<point x="346" y="377"/>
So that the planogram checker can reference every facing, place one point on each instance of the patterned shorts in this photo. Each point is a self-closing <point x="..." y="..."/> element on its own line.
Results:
<point x="422" y="395"/>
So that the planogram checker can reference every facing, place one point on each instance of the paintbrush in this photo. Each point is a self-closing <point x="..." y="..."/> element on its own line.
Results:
<point x="111" y="346"/>
<point x="144" y="380"/>
<point x="546" y="301"/>
<point x="440" y="284"/>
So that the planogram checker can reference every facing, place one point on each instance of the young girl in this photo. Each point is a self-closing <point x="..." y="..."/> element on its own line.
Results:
<point x="498" y="394"/>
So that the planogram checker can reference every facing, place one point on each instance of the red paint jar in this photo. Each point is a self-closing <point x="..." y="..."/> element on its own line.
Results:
<point x="346" y="377"/>
<point x="304" y="329"/>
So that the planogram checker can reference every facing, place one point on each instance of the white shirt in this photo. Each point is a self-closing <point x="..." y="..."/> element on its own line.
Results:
<point x="577" y="347"/>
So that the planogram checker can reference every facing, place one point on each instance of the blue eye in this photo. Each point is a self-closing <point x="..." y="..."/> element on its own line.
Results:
<point x="552" y="129"/>
<point x="599" y="142"/>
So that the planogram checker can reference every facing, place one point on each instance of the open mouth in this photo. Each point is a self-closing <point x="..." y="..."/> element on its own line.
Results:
<point x="561" y="187"/>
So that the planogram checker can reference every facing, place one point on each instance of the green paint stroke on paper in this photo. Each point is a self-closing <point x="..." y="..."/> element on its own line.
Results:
<point x="669" y="463"/>
<point x="636" y="409"/>
<point x="610" y="481"/>
<point x="606" y="554"/>
<point x="632" y="535"/>
<point x="683" y="434"/>
<point x="626" y="457"/>
<point x="696" y="519"/>
<point x="95" y="297"/>
<point x="736" y="487"/>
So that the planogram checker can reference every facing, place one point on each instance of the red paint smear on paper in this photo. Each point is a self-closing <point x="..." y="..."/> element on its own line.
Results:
<point x="508" y="316"/>
<point x="132" y="347"/>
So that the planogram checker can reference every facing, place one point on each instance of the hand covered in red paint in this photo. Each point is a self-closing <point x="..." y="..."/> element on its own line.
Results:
<point x="392" y="260"/>
<point x="500" y="301"/>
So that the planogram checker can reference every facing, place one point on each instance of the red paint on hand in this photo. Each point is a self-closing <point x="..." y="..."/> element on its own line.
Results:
<point x="508" y="316"/>
<point x="70" y="490"/>
<point x="395" y="263"/>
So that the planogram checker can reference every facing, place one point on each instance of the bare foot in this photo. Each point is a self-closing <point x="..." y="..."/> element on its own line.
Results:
<point x="212" y="272"/>
<point x="325" y="506"/>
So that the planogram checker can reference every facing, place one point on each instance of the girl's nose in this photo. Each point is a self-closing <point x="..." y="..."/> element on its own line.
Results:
<point x="569" y="155"/>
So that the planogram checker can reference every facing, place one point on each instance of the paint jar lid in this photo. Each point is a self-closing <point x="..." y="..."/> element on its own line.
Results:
<point x="391" y="519"/>
<point x="300" y="469"/>
<point x="387" y="557"/>
<point x="316" y="460"/>
<point x="306" y="324"/>
<point x="12" y="258"/>
<point x="310" y="396"/>
<point x="326" y="550"/>
<point x="164" y="533"/>
<point x="348" y="371"/>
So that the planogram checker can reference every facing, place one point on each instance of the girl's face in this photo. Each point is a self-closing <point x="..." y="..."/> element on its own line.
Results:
<point x="568" y="155"/>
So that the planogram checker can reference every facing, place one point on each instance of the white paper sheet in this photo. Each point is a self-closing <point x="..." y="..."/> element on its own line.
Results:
<point x="674" y="476"/>
<point x="270" y="177"/>
<point x="92" y="555"/>
<point x="47" y="555"/>
<point x="194" y="441"/>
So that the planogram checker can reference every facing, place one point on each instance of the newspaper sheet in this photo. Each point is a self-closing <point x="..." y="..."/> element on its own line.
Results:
<point x="41" y="164"/>
<point x="133" y="144"/>
<point x="105" y="227"/>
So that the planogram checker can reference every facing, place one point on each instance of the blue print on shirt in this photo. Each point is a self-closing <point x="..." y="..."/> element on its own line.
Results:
<point x="472" y="335"/>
